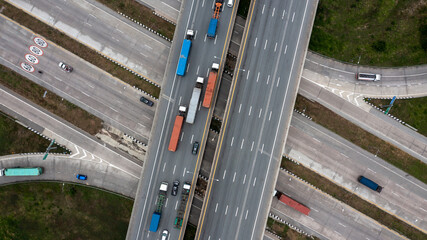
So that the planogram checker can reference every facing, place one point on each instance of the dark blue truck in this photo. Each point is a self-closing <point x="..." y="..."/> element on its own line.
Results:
<point x="369" y="183"/>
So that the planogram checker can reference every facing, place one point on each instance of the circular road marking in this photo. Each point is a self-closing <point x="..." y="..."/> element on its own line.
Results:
<point x="36" y="50"/>
<point x="27" y="67"/>
<point x="40" y="41"/>
<point x="31" y="59"/>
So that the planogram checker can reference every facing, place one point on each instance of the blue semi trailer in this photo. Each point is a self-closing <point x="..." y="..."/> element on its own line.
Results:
<point x="185" y="51"/>
<point x="212" y="27"/>
<point x="369" y="183"/>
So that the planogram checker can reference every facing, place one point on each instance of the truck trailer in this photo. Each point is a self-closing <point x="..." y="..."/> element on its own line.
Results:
<point x="35" y="171"/>
<point x="210" y="89"/>
<point x="194" y="101"/>
<point x="155" y="218"/>
<point x="370" y="184"/>
<point x="292" y="203"/>
<point x="181" y="210"/>
<point x="185" y="51"/>
<point x="213" y="23"/>
<point x="177" y="126"/>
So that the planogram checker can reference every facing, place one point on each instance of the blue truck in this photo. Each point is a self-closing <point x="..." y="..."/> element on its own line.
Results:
<point x="212" y="27"/>
<point x="155" y="218"/>
<point x="370" y="184"/>
<point x="185" y="51"/>
<point x="213" y="24"/>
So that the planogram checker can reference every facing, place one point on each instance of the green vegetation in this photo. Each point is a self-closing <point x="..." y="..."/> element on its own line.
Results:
<point x="353" y="200"/>
<point x="51" y="102"/>
<point x="61" y="211"/>
<point x="412" y="111"/>
<point x="284" y="231"/>
<point x="341" y="126"/>
<point x="77" y="48"/>
<point x="215" y="125"/>
<point x="190" y="232"/>
<point x="142" y="14"/>
<point x="14" y="138"/>
<point x="382" y="33"/>
<point x="243" y="8"/>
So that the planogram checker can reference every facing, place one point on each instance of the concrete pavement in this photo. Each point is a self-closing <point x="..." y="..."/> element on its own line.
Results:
<point x="369" y="119"/>
<point x="106" y="32"/>
<point x="88" y="87"/>
<point x="63" y="168"/>
<point x="340" y="77"/>
<point x="328" y="218"/>
<point x="82" y="145"/>
<point x="342" y="162"/>
<point x="168" y="9"/>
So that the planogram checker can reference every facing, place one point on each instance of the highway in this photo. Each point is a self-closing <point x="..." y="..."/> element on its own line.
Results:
<point x="328" y="218"/>
<point x="82" y="145"/>
<point x="342" y="163"/>
<point x="88" y="87"/>
<point x="63" y="168"/>
<point x="161" y="164"/>
<point x="368" y="118"/>
<point x="257" y="116"/>
<point x="105" y="31"/>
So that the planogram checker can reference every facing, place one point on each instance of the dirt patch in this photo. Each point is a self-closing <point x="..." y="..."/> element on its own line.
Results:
<point x="117" y="139"/>
<point x="142" y="14"/>
<point x="50" y="102"/>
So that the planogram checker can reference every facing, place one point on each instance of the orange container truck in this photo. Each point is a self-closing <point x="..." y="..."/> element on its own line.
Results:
<point x="176" y="131"/>
<point x="210" y="89"/>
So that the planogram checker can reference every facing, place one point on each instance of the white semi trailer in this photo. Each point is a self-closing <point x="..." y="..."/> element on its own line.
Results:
<point x="194" y="101"/>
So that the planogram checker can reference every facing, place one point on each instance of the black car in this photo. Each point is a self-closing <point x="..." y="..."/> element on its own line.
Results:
<point x="195" y="148"/>
<point x="146" y="101"/>
<point x="175" y="188"/>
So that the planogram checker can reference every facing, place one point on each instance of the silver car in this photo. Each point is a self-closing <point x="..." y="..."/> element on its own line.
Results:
<point x="165" y="234"/>
<point x="65" y="67"/>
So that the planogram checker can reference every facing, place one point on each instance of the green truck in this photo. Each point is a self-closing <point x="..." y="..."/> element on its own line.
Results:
<point x="184" y="197"/>
<point x="35" y="171"/>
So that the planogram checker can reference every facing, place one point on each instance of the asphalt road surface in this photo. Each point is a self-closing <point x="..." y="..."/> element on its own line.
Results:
<point x="257" y="117"/>
<point x="64" y="169"/>
<point x="87" y="86"/>
<point x="82" y="145"/>
<point x="342" y="162"/>
<point x="106" y="31"/>
<point x="328" y="218"/>
<point x="161" y="164"/>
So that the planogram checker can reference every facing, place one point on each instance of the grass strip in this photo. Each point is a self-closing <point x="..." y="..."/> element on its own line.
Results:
<point x="52" y="211"/>
<point x="346" y="129"/>
<point x="15" y="138"/>
<point x="353" y="200"/>
<point x="286" y="233"/>
<point x="142" y="14"/>
<point x="77" y="48"/>
<point x="412" y="111"/>
<point x="381" y="33"/>
<point x="50" y="102"/>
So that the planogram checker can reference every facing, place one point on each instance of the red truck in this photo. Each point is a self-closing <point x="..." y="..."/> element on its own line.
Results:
<point x="293" y="204"/>
<point x="176" y="131"/>
<point x="210" y="89"/>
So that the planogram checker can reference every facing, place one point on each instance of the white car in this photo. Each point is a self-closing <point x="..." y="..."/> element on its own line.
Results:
<point x="165" y="234"/>
<point x="65" y="67"/>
